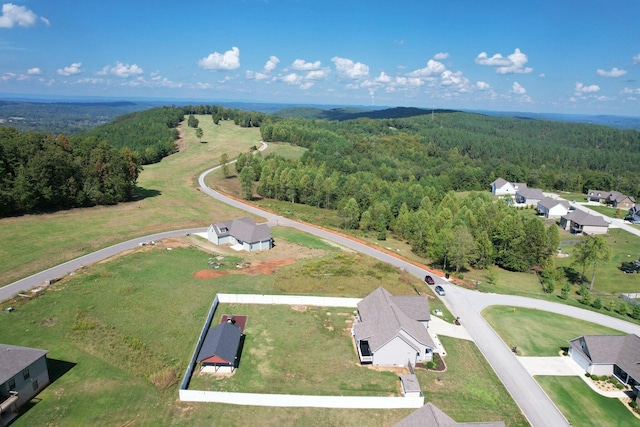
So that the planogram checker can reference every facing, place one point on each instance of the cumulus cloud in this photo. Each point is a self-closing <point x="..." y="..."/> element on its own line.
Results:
<point x="230" y="60"/>
<point x="518" y="89"/>
<point x="482" y="85"/>
<point x="34" y="71"/>
<point x="269" y="66"/>
<point x="432" y="68"/>
<point x="441" y="56"/>
<point x="302" y="65"/>
<point x="514" y="63"/>
<point x="18" y="15"/>
<point x="615" y="72"/>
<point x="349" y="69"/>
<point x="122" y="70"/>
<point x="582" y="89"/>
<point x="70" y="70"/>
<point x="636" y="59"/>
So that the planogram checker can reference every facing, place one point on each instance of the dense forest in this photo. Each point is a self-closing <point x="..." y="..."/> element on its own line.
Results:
<point x="42" y="173"/>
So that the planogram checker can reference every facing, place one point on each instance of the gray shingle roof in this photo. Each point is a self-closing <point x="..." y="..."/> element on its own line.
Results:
<point x="584" y="218"/>
<point x="549" y="203"/>
<point x="531" y="193"/>
<point x="223" y="341"/>
<point x="431" y="416"/>
<point x="13" y="359"/>
<point x="622" y="350"/>
<point x="243" y="229"/>
<point x="382" y="318"/>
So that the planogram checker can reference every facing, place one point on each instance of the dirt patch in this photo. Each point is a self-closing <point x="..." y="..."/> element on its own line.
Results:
<point x="256" y="268"/>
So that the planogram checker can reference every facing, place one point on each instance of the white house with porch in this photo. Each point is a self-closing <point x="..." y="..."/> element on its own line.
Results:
<point x="243" y="233"/>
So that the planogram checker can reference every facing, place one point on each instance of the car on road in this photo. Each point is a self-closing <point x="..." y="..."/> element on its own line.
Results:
<point x="439" y="290"/>
<point x="429" y="280"/>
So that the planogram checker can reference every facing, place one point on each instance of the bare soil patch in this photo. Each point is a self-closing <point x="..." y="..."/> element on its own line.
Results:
<point x="262" y="267"/>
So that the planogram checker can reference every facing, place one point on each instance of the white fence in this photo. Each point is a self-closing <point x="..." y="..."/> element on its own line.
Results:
<point x="630" y="298"/>
<point x="285" y="400"/>
<point x="299" y="401"/>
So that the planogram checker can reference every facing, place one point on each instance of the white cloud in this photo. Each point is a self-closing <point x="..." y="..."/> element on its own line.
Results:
<point x="441" y="56"/>
<point x="383" y="78"/>
<point x="8" y="76"/>
<point x="615" y="72"/>
<point x="292" y="79"/>
<point x="45" y="21"/>
<point x="302" y="65"/>
<point x="482" y="85"/>
<point x="271" y="64"/>
<point x="126" y="70"/>
<point x="318" y="74"/>
<point x="70" y="70"/>
<point x="582" y="89"/>
<point x="13" y="14"/>
<point x="518" y="89"/>
<point x="432" y="68"/>
<point x="629" y="91"/>
<point x="230" y="60"/>
<point x="34" y="71"/>
<point x="352" y="70"/>
<point x="636" y="59"/>
<point x="514" y="63"/>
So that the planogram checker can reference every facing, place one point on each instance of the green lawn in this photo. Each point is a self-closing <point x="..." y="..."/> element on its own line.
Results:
<point x="538" y="332"/>
<point x="582" y="406"/>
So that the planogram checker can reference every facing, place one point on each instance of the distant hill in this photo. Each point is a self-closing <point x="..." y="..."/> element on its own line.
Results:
<point x="341" y="114"/>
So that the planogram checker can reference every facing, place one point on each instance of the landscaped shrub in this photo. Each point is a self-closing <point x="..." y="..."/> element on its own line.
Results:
<point x="633" y="404"/>
<point x="619" y="386"/>
<point x="597" y="303"/>
<point x="587" y="374"/>
<point x="431" y="365"/>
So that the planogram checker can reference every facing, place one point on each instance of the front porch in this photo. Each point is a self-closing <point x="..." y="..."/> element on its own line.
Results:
<point x="8" y="409"/>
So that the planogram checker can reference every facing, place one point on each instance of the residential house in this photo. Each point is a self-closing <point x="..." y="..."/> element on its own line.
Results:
<point x="502" y="187"/>
<point x="552" y="208"/>
<point x="582" y="222"/>
<point x="617" y="355"/>
<point x="392" y="330"/>
<point x="23" y="374"/>
<point x="220" y="351"/>
<point x="529" y="196"/>
<point x="243" y="232"/>
<point x="618" y="200"/>
<point x="432" y="416"/>
<point x="634" y="212"/>
<point x="597" y="196"/>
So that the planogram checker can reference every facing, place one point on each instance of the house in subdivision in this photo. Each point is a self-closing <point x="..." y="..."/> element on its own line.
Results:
<point x="597" y="196"/>
<point x="583" y="222"/>
<point x="618" y="200"/>
<point x="617" y="355"/>
<point x="634" y="212"/>
<point x="220" y="351"/>
<point x="430" y="415"/>
<point x="243" y="232"/>
<point x="392" y="330"/>
<point x="529" y="196"/>
<point x="502" y="187"/>
<point x="552" y="208"/>
<point x="23" y="374"/>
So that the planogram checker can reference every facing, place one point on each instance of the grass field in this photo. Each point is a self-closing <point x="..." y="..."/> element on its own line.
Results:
<point x="582" y="406"/>
<point x="537" y="332"/>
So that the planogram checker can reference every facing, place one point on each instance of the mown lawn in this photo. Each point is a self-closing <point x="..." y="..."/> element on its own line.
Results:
<point x="538" y="332"/>
<point x="582" y="406"/>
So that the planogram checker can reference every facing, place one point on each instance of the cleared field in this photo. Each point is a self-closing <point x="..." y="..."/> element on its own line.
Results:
<point x="538" y="332"/>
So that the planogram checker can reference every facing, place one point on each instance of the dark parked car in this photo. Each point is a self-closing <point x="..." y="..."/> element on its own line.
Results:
<point x="429" y="280"/>
<point x="439" y="290"/>
<point x="628" y="269"/>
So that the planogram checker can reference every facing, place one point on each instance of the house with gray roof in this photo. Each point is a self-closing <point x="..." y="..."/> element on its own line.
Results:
<point x="23" y="374"/>
<point x="552" y="208"/>
<point x="634" y="212"/>
<point x="502" y="187"/>
<point x="220" y="349"/>
<point x="243" y="232"/>
<point x="583" y="222"/>
<point x="392" y="330"/>
<point x="431" y="416"/>
<point x="529" y="196"/>
<point x="618" y="200"/>
<point x="597" y="195"/>
<point x="617" y="355"/>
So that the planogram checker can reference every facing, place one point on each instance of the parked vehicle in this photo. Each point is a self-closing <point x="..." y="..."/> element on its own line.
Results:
<point x="429" y="280"/>
<point x="439" y="290"/>
<point x="628" y="269"/>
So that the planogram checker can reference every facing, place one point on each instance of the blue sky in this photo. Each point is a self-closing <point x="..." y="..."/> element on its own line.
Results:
<point x="561" y="56"/>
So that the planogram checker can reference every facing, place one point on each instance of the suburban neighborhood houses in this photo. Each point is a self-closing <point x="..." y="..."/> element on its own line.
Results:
<point x="241" y="234"/>
<point x="580" y="222"/>
<point x="613" y="198"/>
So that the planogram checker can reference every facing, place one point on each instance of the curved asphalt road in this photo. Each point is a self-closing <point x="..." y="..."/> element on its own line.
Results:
<point x="534" y="403"/>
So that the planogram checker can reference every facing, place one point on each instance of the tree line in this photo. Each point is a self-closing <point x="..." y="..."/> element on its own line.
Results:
<point x="42" y="173"/>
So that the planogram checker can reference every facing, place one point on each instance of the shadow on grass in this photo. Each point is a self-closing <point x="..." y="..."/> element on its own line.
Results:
<point x="240" y="347"/>
<point x="58" y="368"/>
<point x="572" y="275"/>
<point x="144" y="193"/>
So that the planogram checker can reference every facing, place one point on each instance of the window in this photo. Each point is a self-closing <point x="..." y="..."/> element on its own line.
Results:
<point x="26" y="374"/>
<point x="35" y="385"/>
<point x="12" y="384"/>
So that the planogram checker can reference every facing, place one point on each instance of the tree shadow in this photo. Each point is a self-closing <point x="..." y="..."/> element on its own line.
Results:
<point x="144" y="193"/>
<point x="572" y="275"/>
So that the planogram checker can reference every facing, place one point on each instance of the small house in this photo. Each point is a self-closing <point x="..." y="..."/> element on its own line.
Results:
<point x="23" y="374"/>
<point x="578" y="222"/>
<point x="529" y="196"/>
<point x="552" y="208"/>
<point x="220" y="351"/>
<point x="243" y="233"/>
<point x="502" y="187"/>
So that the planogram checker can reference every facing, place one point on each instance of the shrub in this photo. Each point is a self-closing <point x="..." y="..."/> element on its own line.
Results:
<point x="633" y="404"/>
<point x="587" y="374"/>
<point x="431" y="365"/>
<point x="597" y="303"/>
<point x="619" y="386"/>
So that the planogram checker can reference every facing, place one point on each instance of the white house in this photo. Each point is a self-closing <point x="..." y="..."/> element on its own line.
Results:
<point x="392" y="330"/>
<point x="244" y="232"/>
<point x="552" y="208"/>
<point x="502" y="187"/>
<point x="529" y="196"/>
